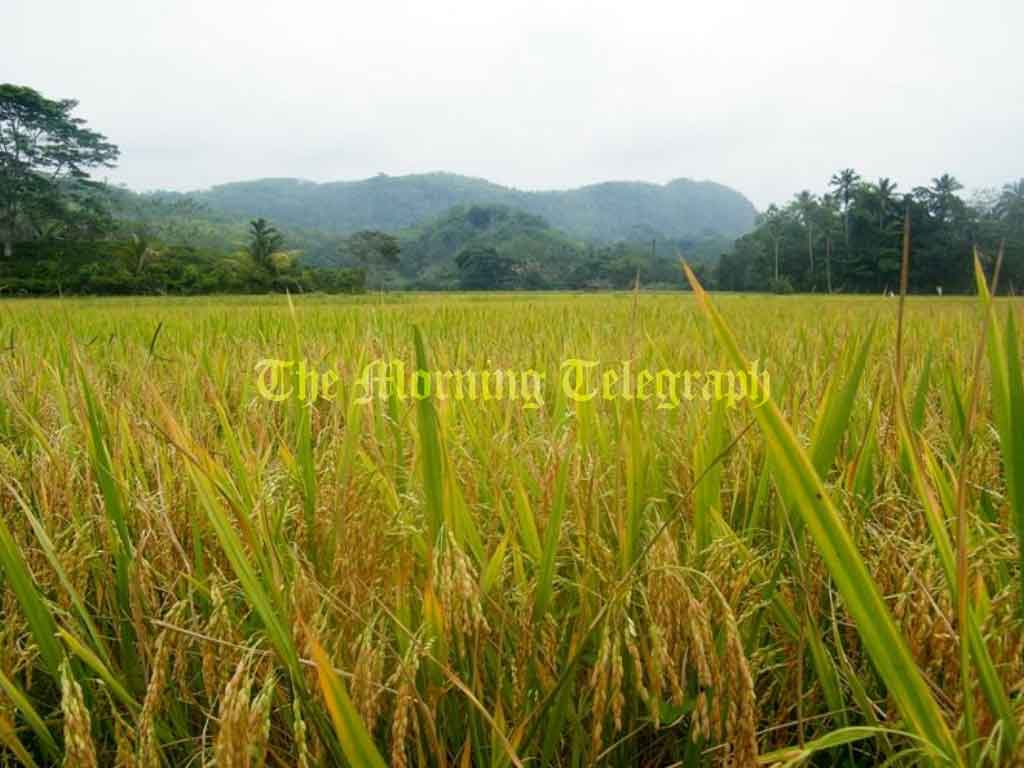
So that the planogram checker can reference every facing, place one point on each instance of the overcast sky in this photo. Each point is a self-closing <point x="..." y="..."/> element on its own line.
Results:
<point x="767" y="97"/>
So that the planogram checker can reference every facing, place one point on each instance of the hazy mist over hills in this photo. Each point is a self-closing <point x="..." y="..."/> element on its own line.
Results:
<point x="608" y="211"/>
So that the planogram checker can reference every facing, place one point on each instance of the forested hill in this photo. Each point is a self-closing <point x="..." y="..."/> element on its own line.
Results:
<point x="609" y="211"/>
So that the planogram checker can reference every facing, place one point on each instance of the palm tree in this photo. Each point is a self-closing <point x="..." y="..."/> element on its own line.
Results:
<point x="943" y="195"/>
<point x="884" y="189"/>
<point x="264" y="241"/>
<point x="944" y="205"/>
<point x="881" y="197"/>
<point x="844" y="183"/>
<point x="807" y="205"/>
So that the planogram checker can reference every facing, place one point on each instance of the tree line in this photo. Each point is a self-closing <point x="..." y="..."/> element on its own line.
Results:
<point x="849" y="239"/>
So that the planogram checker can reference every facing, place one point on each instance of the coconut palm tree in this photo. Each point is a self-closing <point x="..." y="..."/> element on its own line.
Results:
<point x="886" y="199"/>
<point x="844" y="183"/>
<point x="942" y="194"/>
<point x="264" y="241"/>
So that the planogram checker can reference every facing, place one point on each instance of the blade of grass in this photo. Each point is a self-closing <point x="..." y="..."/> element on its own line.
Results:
<point x="355" y="739"/>
<point x="430" y="448"/>
<point x="33" y="605"/>
<point x="836" y="411"/>
<point x="31" y="716"/>
<point x="9" y="738"/>
<point x="552" y="536"/>
<point x="51" y="556"/>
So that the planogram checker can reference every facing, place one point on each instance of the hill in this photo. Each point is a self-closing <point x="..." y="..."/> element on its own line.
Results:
<point x="534" y="254"/>
<point x="430" y="249"/>
<point x="608" y="211"/>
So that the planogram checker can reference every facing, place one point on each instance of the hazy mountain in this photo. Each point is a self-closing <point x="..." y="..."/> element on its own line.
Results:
<point x="608" y="211"/>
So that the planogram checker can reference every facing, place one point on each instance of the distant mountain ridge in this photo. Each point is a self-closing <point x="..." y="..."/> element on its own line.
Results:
<point x="608" y="211"/>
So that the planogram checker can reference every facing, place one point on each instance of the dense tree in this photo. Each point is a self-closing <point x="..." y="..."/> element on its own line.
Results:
<point x="867" y="221"/>
<point x="884" y="190"/>
<point x="941" y="198"/>
<point x="546" y="258"/>
<point x="264" y="242"/>
<point x="46" y="155"/>
<point x="129" y="266"/>
<point x="482" y="268"/>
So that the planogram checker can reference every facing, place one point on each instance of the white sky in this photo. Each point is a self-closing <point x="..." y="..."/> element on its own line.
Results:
<point x="767" y="97"/>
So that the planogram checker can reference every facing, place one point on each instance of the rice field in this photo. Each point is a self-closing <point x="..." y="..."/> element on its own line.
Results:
<point x="194" y="574"/>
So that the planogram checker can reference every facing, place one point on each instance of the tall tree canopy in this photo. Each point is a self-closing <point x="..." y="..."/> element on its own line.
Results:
<point x="844" y="183"/>
<point x="264" y="242"/>
<point x="483" y="268"/>
<point x="859" y="230"/>
<point x="45" y="158"/>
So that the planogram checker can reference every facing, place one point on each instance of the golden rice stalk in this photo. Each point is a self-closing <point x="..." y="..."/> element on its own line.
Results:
<point x="79" y="750"/>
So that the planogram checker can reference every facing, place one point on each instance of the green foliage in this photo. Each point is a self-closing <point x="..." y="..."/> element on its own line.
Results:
<point x="482" y="268"/>
<point x="530" y="254"/>
<point x="799" y="481"/>
<point x="521" y="243"/>
<point x="264" y="242"/>
<point x="850" y="241"/>
<point x="45" y="158"/>
<point x="107" y="267"/>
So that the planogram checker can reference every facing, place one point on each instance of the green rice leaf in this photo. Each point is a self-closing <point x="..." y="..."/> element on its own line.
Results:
<point x="886" y="646"/>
